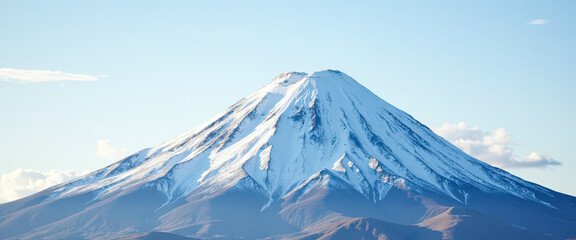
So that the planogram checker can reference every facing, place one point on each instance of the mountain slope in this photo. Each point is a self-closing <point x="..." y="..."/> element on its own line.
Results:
<point x="305" y="148"/>
<point x="462" y="223"/>
<point x="155" y="236"/>
<point x="367" y="228"/>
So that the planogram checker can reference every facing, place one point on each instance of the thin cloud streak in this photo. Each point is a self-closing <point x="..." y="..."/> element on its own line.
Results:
<point x="539" y="21"/>
<point x="37" y="76"/>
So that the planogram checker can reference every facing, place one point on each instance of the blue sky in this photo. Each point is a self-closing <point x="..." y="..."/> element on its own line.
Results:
<point x="164" y="67"/>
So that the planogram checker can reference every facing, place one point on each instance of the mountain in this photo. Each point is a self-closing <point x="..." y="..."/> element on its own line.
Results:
<point x="307" y="156"/>
<point x="155" y="236"/>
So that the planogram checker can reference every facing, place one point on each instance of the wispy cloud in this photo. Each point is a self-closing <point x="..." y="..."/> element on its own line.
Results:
<point x="539" y="21"/>
<point x="492" y="147"/>
<point x="36" y="76"/>
<point x="23" y="182"/>
<point x="106" y="150"/>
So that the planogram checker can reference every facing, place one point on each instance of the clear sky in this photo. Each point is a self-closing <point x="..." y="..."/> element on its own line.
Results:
<point x="83" y="83"/>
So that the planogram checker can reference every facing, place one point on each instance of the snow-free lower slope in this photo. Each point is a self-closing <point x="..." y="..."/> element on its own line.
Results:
<point x="304" y="149"/>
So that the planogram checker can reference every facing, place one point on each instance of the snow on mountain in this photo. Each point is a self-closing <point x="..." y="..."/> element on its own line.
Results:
<point x="291" y="129"/>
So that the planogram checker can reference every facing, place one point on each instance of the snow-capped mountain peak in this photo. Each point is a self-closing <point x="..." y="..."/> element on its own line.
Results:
<point x="292" y="129"/>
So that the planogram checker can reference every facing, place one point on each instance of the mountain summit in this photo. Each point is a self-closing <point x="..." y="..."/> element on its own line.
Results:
<point x="307" y="156"/>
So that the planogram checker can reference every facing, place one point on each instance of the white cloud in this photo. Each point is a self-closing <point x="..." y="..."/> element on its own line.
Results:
<point x="493" y="148"/>
<point x="36" y="76"/>
<point x="106" y="150"/>
<point x="539" y="21"/>
<point x="23" y="182"/>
